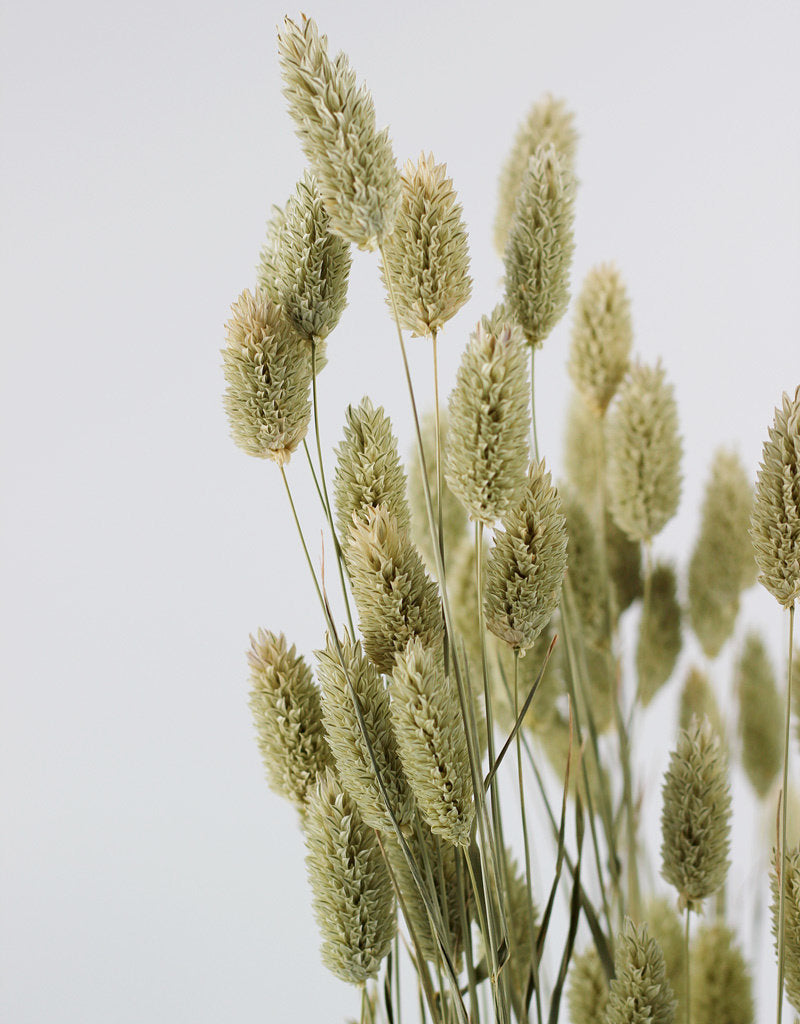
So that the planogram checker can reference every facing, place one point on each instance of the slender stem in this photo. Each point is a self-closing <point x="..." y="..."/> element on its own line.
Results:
<point x="782" y="852"/>
<point x="533" y="408"/>
<point x="439" y="488"/>
<point x="687" y="973"/>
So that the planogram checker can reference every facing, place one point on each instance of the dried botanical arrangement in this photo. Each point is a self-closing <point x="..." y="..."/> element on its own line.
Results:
<point x="484" y="604"/>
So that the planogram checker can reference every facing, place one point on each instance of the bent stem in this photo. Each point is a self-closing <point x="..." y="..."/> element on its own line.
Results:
<point x="782" y="852"/>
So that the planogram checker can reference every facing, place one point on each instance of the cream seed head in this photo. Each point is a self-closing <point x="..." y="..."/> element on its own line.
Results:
<point x="351" y="887"/>
<point x="587" y="993"/>
<point x="432" y="743"/>
<point x="760" y="715"/>
<point x="640" y="992"/>
<point x="602" y="337"/>
<point x="791" y="921"/>
<point x="286" y="712"/>
<point x="338" y="670"/>
<point x="695" y="818"/>
<point x="722" y="991"/>
<point x="644" y="475"/>
<point x="540" y="245"/>
<point x="527" y="564"/>
<point x="775" y="523"/>
<point x="268" y="372"/>
<point x="549" y="123"/>
<point x="660" y="638"/>
<point x="487" y="440"/>
<point x="335" y="120"/>
<point x="427" y="256"/>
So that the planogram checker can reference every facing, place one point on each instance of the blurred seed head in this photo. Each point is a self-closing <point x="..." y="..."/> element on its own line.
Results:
<point x="791" y="921"/>
<point x="660" y="639"/>
<point x="666" y="928"/>
<point x="722" y="990"/>
<point x="587" y="992"/>
<point x="760" y="715"/>
<point x="697" y="699"/>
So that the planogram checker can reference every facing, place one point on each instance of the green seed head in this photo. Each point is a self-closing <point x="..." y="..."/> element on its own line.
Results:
<point x="791" y="921"/>
<point x="659" y="633"/>
<point x="666" y="928"/>
<point x="760" y="715"/>
<point x="640" y="992"/>
<point x="722" y="992"/>
<point x="587" y="994"/>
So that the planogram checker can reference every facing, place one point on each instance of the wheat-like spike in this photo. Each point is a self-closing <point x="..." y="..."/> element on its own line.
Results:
<point x="602" y="336"/>
<point x="547" y="123"/>
<point x="722" y="991"/>
<point x="761" y="711"/>
<point x="697" y="700"/>
<point x="640" y="992"/>
<point x="660" y="638"/>
<point x="527" y="564"/>
<point x="791" y="921"/>
<point x="338" y="670"/>
<point x="666" y="928"/>
<point x="430" y="737"/>
<point x="335" y="120"/>
<point x="268" y="373"/>
<point x="775" y="523"/>
<point x="427" y="255"/>
<point x="396" y="598"/>
<point x="695" y="818"/>
<point x="288" y="718"/>
<point x="540" y="245"/>
<point x="368" y="469"/>
<point x="489" y="423"/>
<point x="351" y="887"/>
<point x="624" y="565"/>
<point x="588" y="586"/>
<point x="587" y="993"/>
<point x="583" y="448"/>
<point x="722" y="562"/>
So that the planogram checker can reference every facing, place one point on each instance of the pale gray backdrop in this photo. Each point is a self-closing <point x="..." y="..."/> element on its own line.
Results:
<point x="148" y="872"/>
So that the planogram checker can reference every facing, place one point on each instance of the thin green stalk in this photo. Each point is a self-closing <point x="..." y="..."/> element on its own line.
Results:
<point x="472" y="987"/>
<point x="440" y="524"/>
<point x="687" y="973"/>
<point x="533" y="409"/>
<point x="782" y="854"/>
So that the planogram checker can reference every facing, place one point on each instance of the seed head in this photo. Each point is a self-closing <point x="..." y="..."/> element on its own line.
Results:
<point x="791" y="921"/>
<point x="644" y="473"/>
<point x="268" y="373"/>
<point x="660" y="639"/>
<point x="540" y="245"/>
<point x="267" y="272"/>
<point x="775" y="523"/>
<point x="697" y="700"/>
<point x="487" y="441"/>
<point x="287" y="716"/>
<point x="587" y="994"/>
<point x="335" y="121"/>
<point x="588" y="585"/>
<point x="695" y="819"/>
<point x="624" y="565"/>
<point x="640" y="992"/>
<point x="722" y="991"/>
<point x="666" y="928"/>
<point x="583" y="448"/>
<point x="351" y="888"/>
<point x="427" y="259"/>
<point x="760" y="715"/>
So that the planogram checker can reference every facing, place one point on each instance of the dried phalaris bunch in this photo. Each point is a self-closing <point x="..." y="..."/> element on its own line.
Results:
<point x="666" y="928"/>
<point x="487" y="439"/>
<point x="286" y="711"/>
<point x="659" y="633"/>
<point x="432" y="743"/>
<point x="695" y="818"/>
<point x="312" y="263"/>
<point x="527" y="564"/>
<point x="791" y="921"/>
<point x="335" y="121"/>
<point x="351" y="886"/>
<point x="368" y="469"/>
<point x="549" y="123"/>
<point x="396" y="598"/>
<point x="697" y="699"/>
<point x="268" y="373"/>
<point x="775" y="523"/>
<point x="640" y="990"/>
<point x="760" y="715"/>
<point x="722" y="563"/>
<point x="722" y="992"/>
<point x="602" y="336"/>
<point x="540" y="245"/>
<point x="644" y="473"/>
<point x="587" y="994"/>
<point x="427" y="255"/>
<point x="338" y="670"/>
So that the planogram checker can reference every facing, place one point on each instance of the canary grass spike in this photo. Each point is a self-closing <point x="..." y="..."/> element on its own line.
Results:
<point x="432" y="743"/>
<point x="640" y="992"/>
<point x="644" y="449"/>
<point x="335" y="120"/>
<point x="775" y="523"/>
<point x="722" y="992"/>
<point x="667" y="929"/>
<point x="489" y="422"/>
<point x="602" y="336"/>
<point x="722" y="563"/>
<point x="338" y="670"/>
<point x="587" y="993"/>
<point x="624" y="565"/>
<point x="695" y="818"/>
<point x="588" y="585"/>
<point x="527" y="564"/>
<point x="660" y="639"/>
<point x="396" y="598"/>
<point x="268" y="373"/>
<point x="760" y="715"/>
<point x="368" y="469"/>
<point x="791" y="924"/>
<point x="351" y="887"/>
<point x="427" y="256"/>
<point x="288" y="719"/>
<point x="549" y="122"/>
<point x="583" y="449"/>
<point x="540" y="245"/>
<point x="697" y="699"/>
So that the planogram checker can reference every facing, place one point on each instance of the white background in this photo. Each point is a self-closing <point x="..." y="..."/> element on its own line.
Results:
<point x="148" y="872"/>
